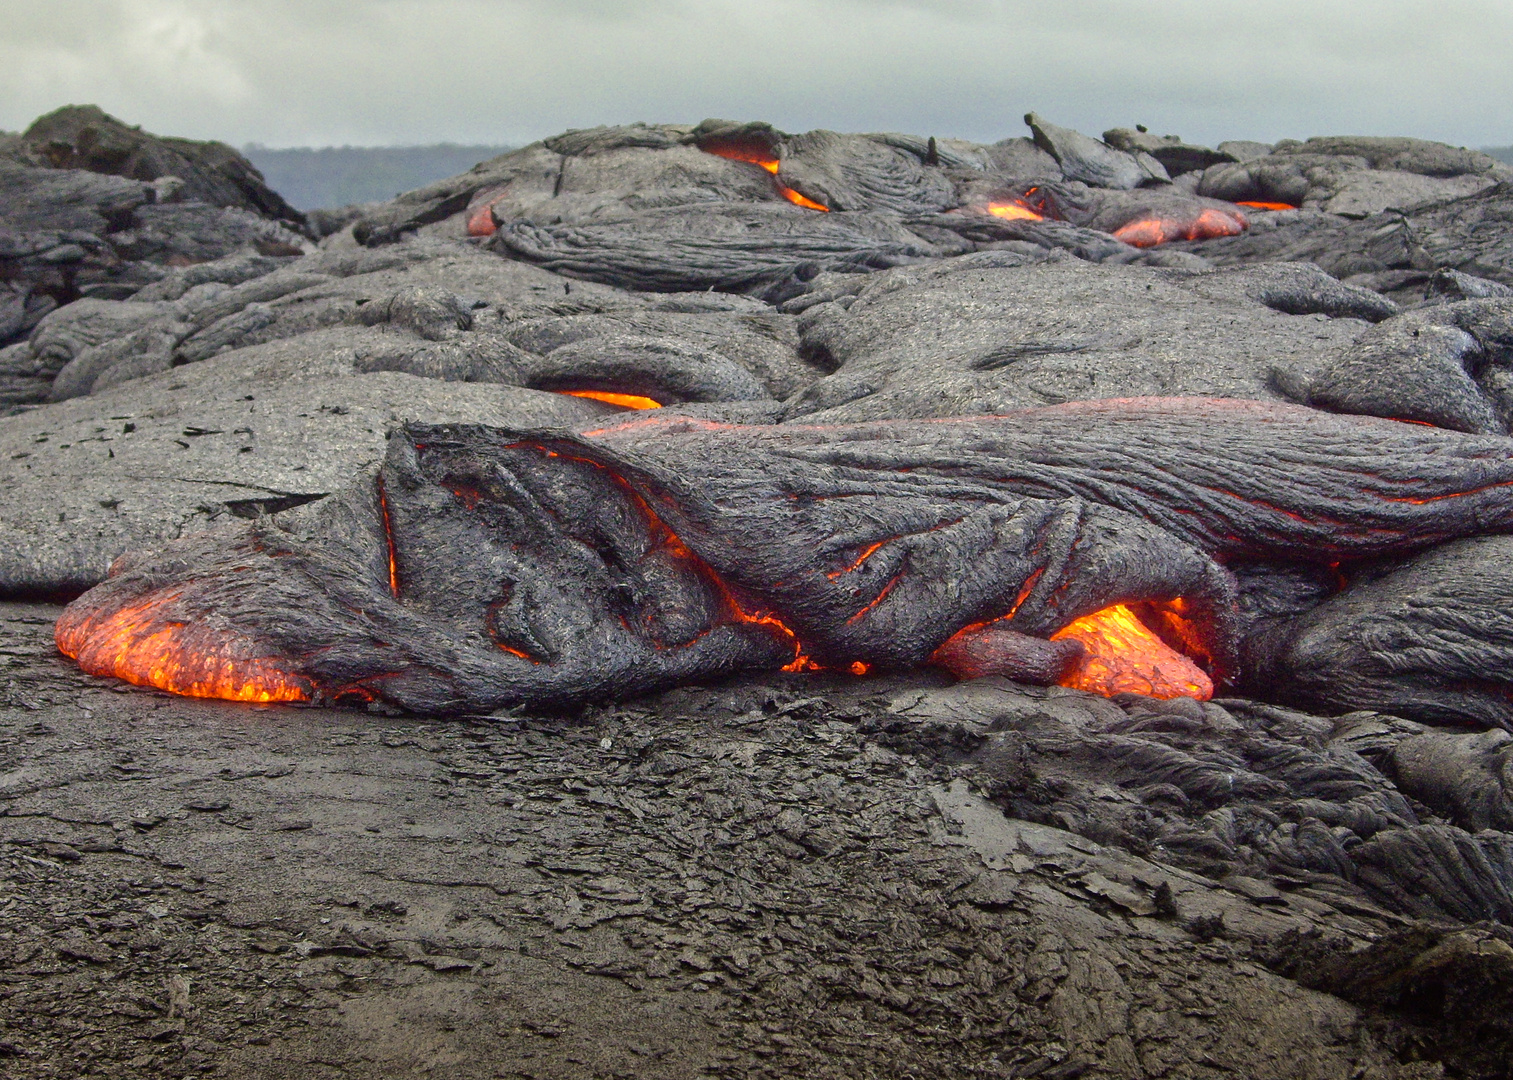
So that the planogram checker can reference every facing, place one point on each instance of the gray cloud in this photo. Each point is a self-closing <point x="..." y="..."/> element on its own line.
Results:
<point x="319" y="72"/>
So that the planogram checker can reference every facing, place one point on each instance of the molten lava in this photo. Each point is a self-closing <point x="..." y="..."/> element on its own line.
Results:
<point x="624" y="401"/>
<point x="1266" y="205"/>
<point x="388" y="524"/>
<point x="1210" y="223"/>
<point x="1123" y="656"/>
<point x="481" y="221"/>
<point x="755" y="156"/>
<point x="133" y="644"/>
<point x="1014" y="211"/>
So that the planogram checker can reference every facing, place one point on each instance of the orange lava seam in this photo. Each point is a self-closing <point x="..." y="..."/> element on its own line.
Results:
<point x="624" y="401"/>
<point x="732" y="153"/>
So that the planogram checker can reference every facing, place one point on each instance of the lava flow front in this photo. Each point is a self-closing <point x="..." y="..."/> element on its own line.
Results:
<point x="1122" y="655"/>
<point x="135" y="644"/>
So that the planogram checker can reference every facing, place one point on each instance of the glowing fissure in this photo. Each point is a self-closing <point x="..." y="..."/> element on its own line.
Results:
<point x="753" y="156"/>
<point x="624" y="401"/>
<point x="1266" y="205"/>
<point x="383" y="509"/>
<point x="866" y="554"/>
<point x="894" y="580"/>
<point x="134" y="644"/>
<point x="481" y="221"/>
<point x="1452" y="495"/>
<point x="1122" y="655"/>
<point x="666" y="538"/>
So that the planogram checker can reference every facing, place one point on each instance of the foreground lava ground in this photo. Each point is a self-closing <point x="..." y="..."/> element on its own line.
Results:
<point x="777" y="878"/>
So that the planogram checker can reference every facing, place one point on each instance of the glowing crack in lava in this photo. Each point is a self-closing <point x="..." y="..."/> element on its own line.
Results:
<point x="134" y="644"/>
<point x="1014" y="211"/>
<point x="1209" y="224"/>
<point x="1266" y="205"/>
<point x="624" y="401"/>
<point x="1123" y="656"/>
<point x="753" y="156"/>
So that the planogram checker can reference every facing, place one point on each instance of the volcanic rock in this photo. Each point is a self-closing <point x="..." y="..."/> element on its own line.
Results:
<point x="994" y="331"/>
<point x="1092" y="162"/>
<point x="1427" y="639"/>
<point x="253" y="432"/>
<point x="84" y="137"/>
<point x="87" y="210"/>
<point x="1176" y="156"/>
<point x="1393" y="251"/>
<point x="630" y="557"/>
<point x="1450" y="365"/>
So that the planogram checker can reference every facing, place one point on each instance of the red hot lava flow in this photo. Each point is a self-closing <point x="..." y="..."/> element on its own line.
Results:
<point x="1207" y="225"/>
<point x="1122" y="655"/>
<point x="134" y="644"/>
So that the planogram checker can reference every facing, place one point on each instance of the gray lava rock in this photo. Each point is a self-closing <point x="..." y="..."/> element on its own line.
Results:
<point x="1430" y="640"/>
<point x="1092" y="162"/>
<point x="1176" y="156"/>
<point x="84" y="137"/>
<point x="1450" y="365"/>
<point x="1467" y="234"/>
<point x="255" y="431"/>
<point x="989" y="332"/>
<point x="736" y="247"/>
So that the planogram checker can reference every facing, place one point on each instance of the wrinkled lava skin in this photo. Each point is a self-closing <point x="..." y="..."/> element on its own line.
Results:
<point x="484" y="568"/>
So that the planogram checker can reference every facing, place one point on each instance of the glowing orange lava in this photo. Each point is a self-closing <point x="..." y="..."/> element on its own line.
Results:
<point x="860" y="668"/>
<point x="625" y="401"/>
<point x="1123" y="656"/>
<point x="481" y="221"/>
<point x="136" y="645"/>
<point x="754" y="156"/>
<point x="1267" y="205"/>
<point x="1210" y="223"/>
<point x="1014" y="211"/>
<point x="383" y="510"/>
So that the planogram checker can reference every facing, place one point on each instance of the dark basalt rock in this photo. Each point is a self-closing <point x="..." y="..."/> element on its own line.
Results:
<point x="1450" y="365"/>
<point x="1429" y="640"/>
<point x="1466" y="233"/>
<point x="494" y="568"/>
<point x="1176" y="156"/>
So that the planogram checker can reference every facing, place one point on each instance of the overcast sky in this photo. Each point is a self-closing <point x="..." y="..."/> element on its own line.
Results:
<point x="396" y="72"/>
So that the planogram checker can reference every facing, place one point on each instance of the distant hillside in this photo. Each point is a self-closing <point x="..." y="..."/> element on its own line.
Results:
<point x="1501" y="153"/>
<point x="337" y="175"/>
